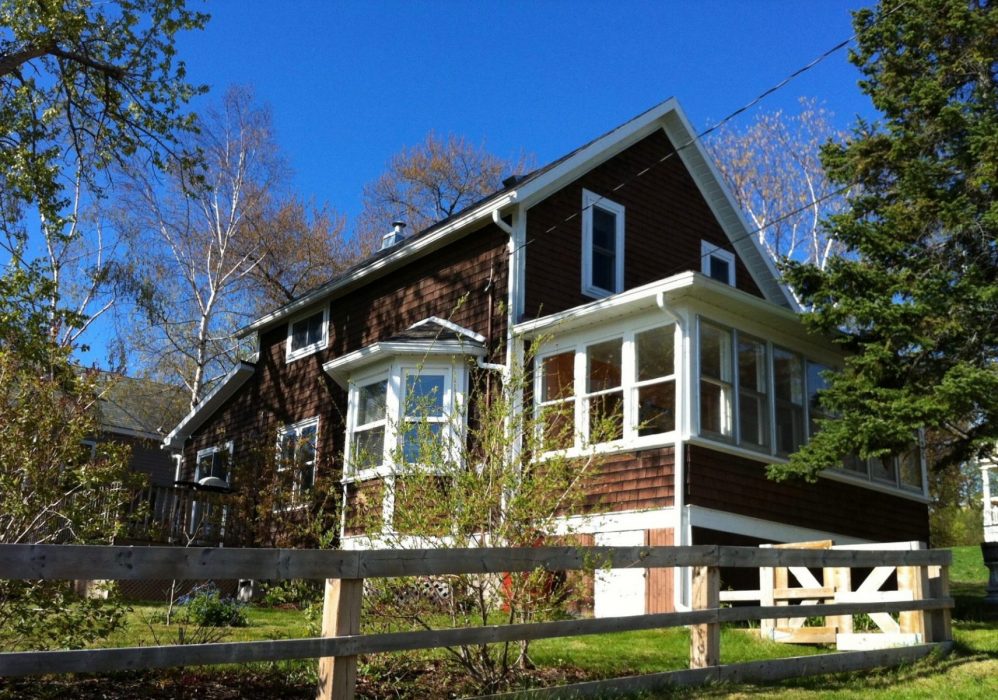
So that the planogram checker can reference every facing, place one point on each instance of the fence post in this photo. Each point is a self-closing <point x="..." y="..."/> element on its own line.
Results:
<point x="340" y="617"/>
<point x="941" y="629"/>
<point x="914" y="579"/>
<point x="705" y="640"/>
<point x="839" y="578"/>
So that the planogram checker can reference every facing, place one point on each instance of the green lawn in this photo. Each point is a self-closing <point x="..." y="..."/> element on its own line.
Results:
<point x="970" y="672"/>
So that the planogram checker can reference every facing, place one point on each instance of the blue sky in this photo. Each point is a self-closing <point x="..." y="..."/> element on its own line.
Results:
<point x="350" y="83"/>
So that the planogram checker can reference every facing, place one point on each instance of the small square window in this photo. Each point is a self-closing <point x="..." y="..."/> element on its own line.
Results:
<point x="307" y="334"/>
<point x="717" y="263"/>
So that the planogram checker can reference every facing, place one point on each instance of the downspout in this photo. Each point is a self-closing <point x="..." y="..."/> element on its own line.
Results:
<point x="679" y="537"/>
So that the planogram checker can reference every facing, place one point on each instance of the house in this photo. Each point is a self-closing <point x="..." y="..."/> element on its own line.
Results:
<point x="629" y="255"/>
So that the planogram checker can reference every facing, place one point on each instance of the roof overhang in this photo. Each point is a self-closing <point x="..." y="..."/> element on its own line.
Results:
<point x="341" y="368"/>
<point x="211" y="403"/>
<point x="672" y="292"/>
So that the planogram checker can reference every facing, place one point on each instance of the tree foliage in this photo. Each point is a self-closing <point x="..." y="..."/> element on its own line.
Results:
<point x="914" y="298"/>
<point x="83" y="85"/>
<point x="773" y="167"/>
<point x="428" y="182"/>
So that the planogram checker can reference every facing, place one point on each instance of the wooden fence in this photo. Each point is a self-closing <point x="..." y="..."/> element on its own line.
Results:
<point x="345" y="571"/>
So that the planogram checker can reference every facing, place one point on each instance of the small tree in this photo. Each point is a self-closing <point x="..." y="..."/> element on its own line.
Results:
<point x="502" y="480"/>
<point x="54" y="488"/>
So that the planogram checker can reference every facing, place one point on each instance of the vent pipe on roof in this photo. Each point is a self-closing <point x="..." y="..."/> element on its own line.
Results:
<point x="394" y="236"/>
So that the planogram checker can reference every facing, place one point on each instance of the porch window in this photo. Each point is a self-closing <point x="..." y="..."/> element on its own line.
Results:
<point x="753" y="401"/>
<point x="788" y="389"/>
<point x="716" y="387"/>
<point x="618" y="391"/>
<point x="602" y="245"/>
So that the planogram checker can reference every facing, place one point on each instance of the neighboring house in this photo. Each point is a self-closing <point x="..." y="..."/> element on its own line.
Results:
<point x="627" y="260"/>
<point x="139" y="413"/>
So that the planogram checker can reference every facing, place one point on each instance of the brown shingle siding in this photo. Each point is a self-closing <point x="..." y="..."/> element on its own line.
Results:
<point x="665" y="219"/>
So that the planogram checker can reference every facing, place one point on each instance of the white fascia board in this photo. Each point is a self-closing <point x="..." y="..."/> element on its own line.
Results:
<point x="686" y="286"/>
<point x="713" y="519"/>
<point x="726" y="209"/>
<point x="451" y="326"/>
<point x="129" y="432"/>
<point x="211" y="403"/>
<point x="407" y="249"/>
<point x="341" y="368"/>
<point x="595" y="153"/>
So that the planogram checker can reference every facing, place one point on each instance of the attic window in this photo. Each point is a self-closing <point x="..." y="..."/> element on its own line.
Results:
<point x="307" y="334"/>
<point x="602" y="246"/>
<point x="717" y="263"/>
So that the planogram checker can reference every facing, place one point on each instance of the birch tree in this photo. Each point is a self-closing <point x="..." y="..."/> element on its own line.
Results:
<point x="773" y="168"/>
<point x="191" y="224"/>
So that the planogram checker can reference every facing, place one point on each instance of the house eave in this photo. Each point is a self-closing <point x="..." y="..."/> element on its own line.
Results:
<point x="675" y="291"/>
<point x="211" y="403"/>
<point x="406" y="250"/>
<point x="341" y="368"/>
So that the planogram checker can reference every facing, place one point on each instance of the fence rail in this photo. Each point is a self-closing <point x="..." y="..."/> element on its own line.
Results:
<point x="344" y="572"/>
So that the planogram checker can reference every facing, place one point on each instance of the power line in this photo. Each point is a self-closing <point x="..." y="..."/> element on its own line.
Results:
<point x="741" y="110"/>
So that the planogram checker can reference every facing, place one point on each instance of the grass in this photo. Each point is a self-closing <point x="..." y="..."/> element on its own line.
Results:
<point x="971" y="671"/>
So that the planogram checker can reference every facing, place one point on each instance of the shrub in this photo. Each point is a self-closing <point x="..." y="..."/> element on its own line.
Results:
<point x="207" y="608"/>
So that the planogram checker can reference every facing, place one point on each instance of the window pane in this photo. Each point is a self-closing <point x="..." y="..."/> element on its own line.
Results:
<point x="604" y="230"/>
<point x="424" y="395"/>
<point x="557" y="378"/>
<point x="368" y="447"/>
<point x="307" y="331"/>
<point x="371" y="402"/>
<point x="853" y="463"/>
<point x="752" y="414"/>
<point x="306" y="444"/>
<point x="220" y="464"/>
<point x="815" y="382"/>
<point x="720" y="269"/>
<point x="559" y="426"/>
<point x="751" y="364"/>
<point x="657" y="408"/>
<point x="789" y="427"/>
<point x="788" y="376"/>
<point x="715" y="409"/>
<point x="606" y="417"/>
<point x="911" y="469"/>
<point x="655" y="353"/>
<point x="604" y="271"/>
<point x="420" y="439"/>
<point x="715" y="352"/>
<point x="883" y="468"/>
<point x="603" y="360"/>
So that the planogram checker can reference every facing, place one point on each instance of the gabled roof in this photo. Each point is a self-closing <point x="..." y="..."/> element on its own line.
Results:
<point x="542" y="182"/>
<point x="431" y="337"/>
<point x="236" y="377"/>
<point x="139" y="407"/>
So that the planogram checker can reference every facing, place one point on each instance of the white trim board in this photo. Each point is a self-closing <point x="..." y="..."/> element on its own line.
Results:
<point x="712" y="519"/>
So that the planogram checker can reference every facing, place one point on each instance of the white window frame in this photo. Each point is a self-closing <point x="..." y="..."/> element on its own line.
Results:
<point x="630" y="387"/>
<point x="295" y="430"/>
<point x="453" y="420"/>
<point x="708" y="251"/>
<point x="733" y="442"/>
<point x="295" y="354"/>
<point x="590" y="200"/>
<point x="222" y="446"/>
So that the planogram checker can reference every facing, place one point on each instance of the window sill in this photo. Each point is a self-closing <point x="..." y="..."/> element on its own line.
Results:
<point x="611" y="448"/>
<point x="292" y="355"/>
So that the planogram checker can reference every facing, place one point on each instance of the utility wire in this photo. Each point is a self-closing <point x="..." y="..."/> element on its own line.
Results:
<point x="741" y="110"/>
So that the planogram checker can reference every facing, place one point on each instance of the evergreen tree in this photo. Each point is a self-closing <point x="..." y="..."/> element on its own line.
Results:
<point x="913" y="299"/>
